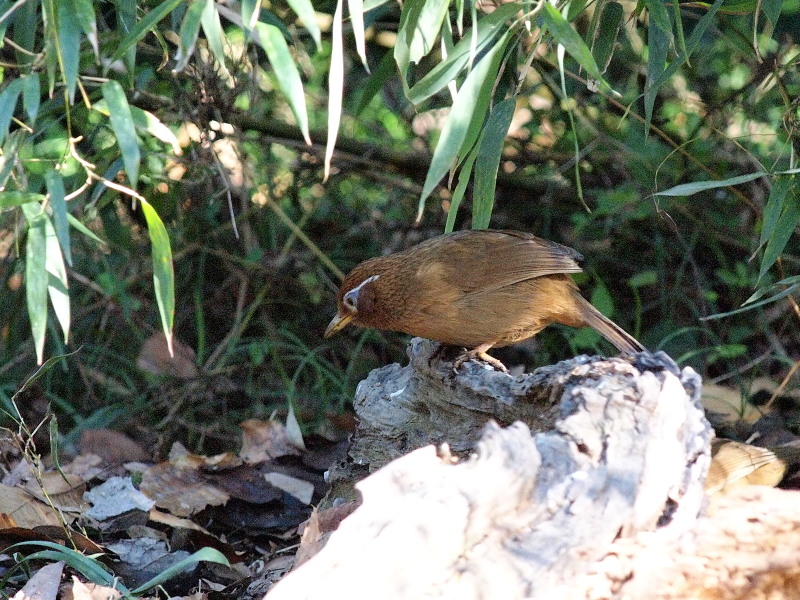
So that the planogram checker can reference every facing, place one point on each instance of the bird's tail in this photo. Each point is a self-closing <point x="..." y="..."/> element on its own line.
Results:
<point x="615" y="334"/>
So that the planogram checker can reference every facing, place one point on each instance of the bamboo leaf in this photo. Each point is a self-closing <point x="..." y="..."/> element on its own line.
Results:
<point x="212" y="27"/>
<point x="608" y="29"/>
<point x="443" y="73"/>
<point x="657" y="46"/>
<point x="356" y="10"/>
<point x="565" y="35"/>
<point x="687" y="189"/>
<point x="122" y="124"/>
<point x="335" y="87"/>
<point x="84" y="15"/>
<point x="83" y="229"/>
<point x="69" y="42"/>
<point x="490" y="149"/>
<point x="783" y="227"/>
<point x="470" y="104"/>
<point x="57" y="279"/>
<point x="190" y="29"/>
<point x="31" y="95"/>
<point x="147" y="23"/>
<point x="16" y="198"/>
<point x="36" y="278"/>
<point x="274" y="44"/>
<point x="305" y="11"/>
<point x="163" y="274"/>
<point x="55" y="187"/>
<point x="458" y="194"/>
<point x="8" y="105"/>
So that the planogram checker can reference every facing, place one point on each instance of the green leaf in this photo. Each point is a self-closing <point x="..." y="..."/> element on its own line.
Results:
<point x="57" y="279"/>
<point x="69" y="46"/>
<point x="774" y="207"/>
<point x="145" y="121"/>
<point x="55" y="187"/>
<point x="126" y="20"/>
<point x="83" y="229"/>
<point x="367" y="90"/>
<point x="772" y="9"/>
<point x="779" y="295"/>
<point x="274" y="44"/>
<point x="426" y="29"/>
<point x="658" y="15"/>
<point x="190" y="28"/>
<point x="468" y="103"/>
<point x="163" y="275"/>
<point x="212" y="27"/>
<point x="608" y="29"/>
<point x="458" y="194"/>
<point x="658" y="41"/>
<point x="490" y="149"/>
<point x="574" y="9"/>
<point x="676" y="10"/>
<point x="36" y="278"/>
<point x="16" y="198"/>
<point x="122" y="124"/>
<point x="148" y="22"/>
<point x="31" y="95"/>
<point x="305" y="11"/>
<point x="781" y="232"/>
<point x="8" y="105"/>
<point x="204" y="554"/>
<point x="84" y="15"/>
<point x="565" y="35"/>
<point x="457" y="60"/>
<point x="687" y="189"/>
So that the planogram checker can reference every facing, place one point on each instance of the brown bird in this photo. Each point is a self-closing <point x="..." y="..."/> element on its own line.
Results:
<point x="477" y="289"/>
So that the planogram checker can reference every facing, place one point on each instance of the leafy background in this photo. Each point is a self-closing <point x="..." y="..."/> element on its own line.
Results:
<point x="171" y="166"/>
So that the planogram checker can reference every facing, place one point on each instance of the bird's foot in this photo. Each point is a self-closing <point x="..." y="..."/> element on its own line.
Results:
<point x="479" y="353"/>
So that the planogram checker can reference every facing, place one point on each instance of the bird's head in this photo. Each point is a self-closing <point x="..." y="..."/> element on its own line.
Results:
<point x="355" y="302"/>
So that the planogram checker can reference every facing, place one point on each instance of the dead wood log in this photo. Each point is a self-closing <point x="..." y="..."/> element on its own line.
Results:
<point x="621" y="448"/>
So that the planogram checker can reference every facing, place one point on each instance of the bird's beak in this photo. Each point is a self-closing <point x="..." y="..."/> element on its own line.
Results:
<point x="338" y="323"/>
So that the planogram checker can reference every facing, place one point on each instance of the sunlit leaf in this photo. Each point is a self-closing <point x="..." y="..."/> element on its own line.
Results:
<point x="36" y="275"/>
<point x="55" y="187"/>
<point x="83" y="229"/>
<point x="163" y="274"/>
<point x="469" y="102"/>
<point x="457" y="60"/>
<point x="122" y="124"/>
<point x="490" y="149"/>
<point x="335" y="87"/>
<point x="356" y="10"/>
<point x="565" y="35"/>
<point x="57" y="279"/>
<point x="657" y="48"/>
<point x="687" y="189"/>
<point x="274" y="44"/>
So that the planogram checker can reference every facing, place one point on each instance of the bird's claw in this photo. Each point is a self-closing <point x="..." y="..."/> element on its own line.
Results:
<point x="479" y="355"/>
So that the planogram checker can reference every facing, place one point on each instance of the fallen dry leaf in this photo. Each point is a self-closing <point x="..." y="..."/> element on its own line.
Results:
<point x="265" y="440"/>
<point x="154" y="358"/>
<point x="43" y="585"/>
<point x="113" y="447"/>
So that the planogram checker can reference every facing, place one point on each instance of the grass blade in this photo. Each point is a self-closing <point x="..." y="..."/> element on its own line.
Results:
<point x="687" y="189"/>
<point x="36" y="275"/>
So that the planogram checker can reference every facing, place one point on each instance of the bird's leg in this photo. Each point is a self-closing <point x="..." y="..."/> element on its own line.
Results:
<point x="479" y="353"/>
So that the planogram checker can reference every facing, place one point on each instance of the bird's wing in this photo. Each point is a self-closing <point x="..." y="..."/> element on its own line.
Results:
<point x="480" y="261"/>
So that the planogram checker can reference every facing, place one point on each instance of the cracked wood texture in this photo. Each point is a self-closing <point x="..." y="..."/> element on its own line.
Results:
<point x="600" y="462"/>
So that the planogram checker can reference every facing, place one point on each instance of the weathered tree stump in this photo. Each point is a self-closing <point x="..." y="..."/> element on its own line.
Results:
<point x="618" y="457"/>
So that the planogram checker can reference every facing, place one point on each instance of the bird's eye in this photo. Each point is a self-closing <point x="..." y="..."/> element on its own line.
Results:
<point x="349" y="302"/>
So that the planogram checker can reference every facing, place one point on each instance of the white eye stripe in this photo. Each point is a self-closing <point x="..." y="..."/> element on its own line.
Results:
<point x="351" y="298"/>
